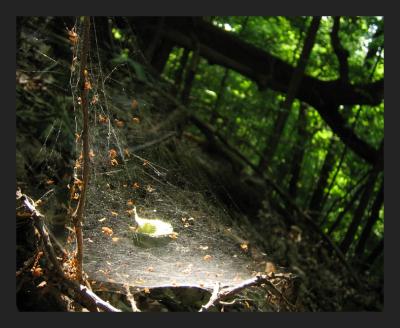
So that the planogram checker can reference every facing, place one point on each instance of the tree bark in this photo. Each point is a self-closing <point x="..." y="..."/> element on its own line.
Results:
<point x="221" y="90"/>
<point x="374" y="216"/>
<point x="294" y="84"/>
<point x="298" y="151"/>
<point x="316" y="203"/>
<point x="149" y="52"/>
<point x="189" y="78"/>
<point x="181" y="69"/>
<point x="358" y="215"/>
<point x="376" y="252"/>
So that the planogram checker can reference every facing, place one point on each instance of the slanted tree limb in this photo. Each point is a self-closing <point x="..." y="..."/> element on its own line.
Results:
<point x="73" y="289"/>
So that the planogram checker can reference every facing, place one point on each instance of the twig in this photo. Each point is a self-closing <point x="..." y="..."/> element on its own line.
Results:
<point x="154" y="142"/>
<point x="76" y="291"/>
<point x="220" y="295"/>
<point x="213" y="299"/>
<point x="131" y="299"/>
<point x="77" y="216"/>
<point x="27" y="264"/>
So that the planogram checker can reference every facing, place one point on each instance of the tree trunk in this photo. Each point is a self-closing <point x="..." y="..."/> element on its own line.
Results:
<point x="181" y="69"/>
<point x="376" y="252"/>
<point x="161" y="55"/>
<point x="294" y="84"/>
<point x="374" y="216"/>
<point x="189" y="78"/>
<point x="346" y="209"/>
<point x="316" y="203"/>
<point x="299" y="151"/>
<point x="358" y="215"/>
<point x="155" y="40"/>
<point x="221" y="91"/>
<point x="220" y="97"/>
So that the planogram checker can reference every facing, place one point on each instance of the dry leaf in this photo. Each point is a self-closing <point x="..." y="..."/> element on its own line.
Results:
<point x="94" y="100"/>
<point x="136" y="185"/>
<point x="24" y="214"/>
<point x="42" y="284"/>
<point x="73" y="36"/>
<point x="270" y="267"/>
<point x="173" y="235"/>
<point x="114" y="162"/>
<point x="244" y="247"/>
<point x="115" y="239"/>
<point x="102" y="219"/>
<point x="114" y="214"/>
<point x="37" y="272"/>
<point x="107" y="231"/>
<point x="103" y="119"/>
<point x="146" y="290"/>
<point x="150" y="269"/>
<point x="130" y="202"/>
<point x="87" y="86"/>
<point x="136" y="120"/>
<point x="112" y="153"/>
<point x="134" y="104"/>
<point x="119" y="123"/>
<point x="150" y="188"/>
<point x="203" y="248"/>
<point x="207" y="258"/>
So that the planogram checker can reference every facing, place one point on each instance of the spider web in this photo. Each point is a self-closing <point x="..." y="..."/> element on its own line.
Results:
<point x="132" y="164"/>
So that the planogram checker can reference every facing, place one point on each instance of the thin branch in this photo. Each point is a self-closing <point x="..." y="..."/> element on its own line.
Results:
<point x="76" y="291"/>
<point x="131" y="299"/>
<point x="27" y="265"/>
<point x="77" y="216"/>
<point x="154" y="142"/>
<point x="224" y="293"/>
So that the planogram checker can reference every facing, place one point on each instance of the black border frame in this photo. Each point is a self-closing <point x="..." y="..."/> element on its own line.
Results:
<point x="198" y="8"/>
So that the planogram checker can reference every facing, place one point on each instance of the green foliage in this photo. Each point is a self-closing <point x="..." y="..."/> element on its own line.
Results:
<point x="147" y="228"/>
<point x="245" y="116"/>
